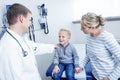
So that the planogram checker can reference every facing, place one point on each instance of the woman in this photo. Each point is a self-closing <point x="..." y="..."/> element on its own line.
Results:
<point x="103" y="51"/>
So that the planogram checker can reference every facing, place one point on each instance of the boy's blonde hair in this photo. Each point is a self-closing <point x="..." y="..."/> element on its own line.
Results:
<point x="65" y="30"/>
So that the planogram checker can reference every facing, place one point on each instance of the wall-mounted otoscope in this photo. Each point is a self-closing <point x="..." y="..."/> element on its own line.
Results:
<point x="43" y="18"/>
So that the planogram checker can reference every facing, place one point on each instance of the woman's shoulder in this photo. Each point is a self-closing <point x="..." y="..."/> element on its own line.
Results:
<point x="106" y="35"/>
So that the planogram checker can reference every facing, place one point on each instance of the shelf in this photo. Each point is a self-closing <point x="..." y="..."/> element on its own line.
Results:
<point x="115" y="18"/>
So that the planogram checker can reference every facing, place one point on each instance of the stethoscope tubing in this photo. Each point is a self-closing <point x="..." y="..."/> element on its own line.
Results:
<point x="23" y="51"/>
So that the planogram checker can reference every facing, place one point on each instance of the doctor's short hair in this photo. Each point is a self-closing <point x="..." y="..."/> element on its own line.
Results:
<point x="92" y="20"/>
<point x="14" y="11"/>
<point x="65" y="30"/>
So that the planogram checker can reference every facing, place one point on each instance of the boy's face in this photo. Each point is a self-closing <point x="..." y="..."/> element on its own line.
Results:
<point x="64" y="38"/>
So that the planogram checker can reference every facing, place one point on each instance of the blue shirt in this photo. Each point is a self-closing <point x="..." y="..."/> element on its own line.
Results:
<point x="67" y="54"/>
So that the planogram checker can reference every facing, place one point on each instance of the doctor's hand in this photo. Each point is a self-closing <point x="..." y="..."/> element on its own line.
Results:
<point x="56" y="46"/>
<point x="56" y="69"/>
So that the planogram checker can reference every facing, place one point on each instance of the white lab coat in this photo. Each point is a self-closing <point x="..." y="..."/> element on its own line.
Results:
<point x="13" y="66"/>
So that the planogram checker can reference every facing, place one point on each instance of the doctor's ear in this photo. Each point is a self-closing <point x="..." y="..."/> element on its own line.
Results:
<point x="20" y="18"/>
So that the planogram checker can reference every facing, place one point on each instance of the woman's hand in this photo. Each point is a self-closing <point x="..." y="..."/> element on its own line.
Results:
<point x="105" y="78"/>
<point x="78" y="69"/>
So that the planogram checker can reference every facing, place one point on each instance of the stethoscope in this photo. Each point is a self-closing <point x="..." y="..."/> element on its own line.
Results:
<point x="25" y="53"/>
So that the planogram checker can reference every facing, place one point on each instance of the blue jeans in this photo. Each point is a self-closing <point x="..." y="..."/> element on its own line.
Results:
<point x="69" y="70"/>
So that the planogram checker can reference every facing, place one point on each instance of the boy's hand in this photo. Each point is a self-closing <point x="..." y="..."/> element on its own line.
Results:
<point x="56" y="69"/>
<point x="78" y="69"/>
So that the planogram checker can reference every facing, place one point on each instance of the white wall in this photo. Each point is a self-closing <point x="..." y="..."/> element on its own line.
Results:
<point x="114" y="28"/>
<point x="60" y="15"/>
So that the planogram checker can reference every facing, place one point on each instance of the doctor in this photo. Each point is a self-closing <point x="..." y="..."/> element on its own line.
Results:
<point x="17" y="61"/>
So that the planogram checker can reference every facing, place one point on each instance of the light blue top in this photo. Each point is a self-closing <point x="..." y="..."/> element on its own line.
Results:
<point x="67" y="54"/>
<point x="104" y="53"/>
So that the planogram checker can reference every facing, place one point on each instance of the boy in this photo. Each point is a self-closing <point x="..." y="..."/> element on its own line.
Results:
<point x="65" y="57"/>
